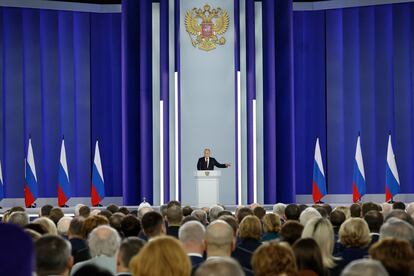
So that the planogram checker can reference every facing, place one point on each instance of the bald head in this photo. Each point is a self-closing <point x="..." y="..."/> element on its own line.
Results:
<point x="219" y="239"/>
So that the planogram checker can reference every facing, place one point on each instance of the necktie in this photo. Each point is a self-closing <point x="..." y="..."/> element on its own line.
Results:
<point x="207" y="159"/>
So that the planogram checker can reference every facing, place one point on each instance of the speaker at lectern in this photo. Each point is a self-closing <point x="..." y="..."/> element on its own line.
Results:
<point x="208" y="180"/>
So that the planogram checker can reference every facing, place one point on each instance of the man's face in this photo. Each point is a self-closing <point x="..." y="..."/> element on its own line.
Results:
<point x="206" y="153"/>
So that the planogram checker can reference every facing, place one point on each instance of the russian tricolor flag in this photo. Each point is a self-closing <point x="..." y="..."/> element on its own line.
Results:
<point x="1" y="184"/>
<point x="318" y="183"/>
<point x="64" y="191"/>
<point x="358" y="180"/>
<point x="98" y="186"/>
<point x="30" y="186"/>
<point x="392" y="186"/>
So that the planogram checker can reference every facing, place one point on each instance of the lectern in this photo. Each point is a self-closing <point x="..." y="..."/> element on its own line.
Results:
<point x="207" y="187"/>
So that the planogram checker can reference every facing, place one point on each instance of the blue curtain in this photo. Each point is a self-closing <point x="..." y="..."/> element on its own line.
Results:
<point x="47" y="91"/>
<point x="279" y="131"/>
<point x="137" y="101"/>
<point x="367" y="82"/>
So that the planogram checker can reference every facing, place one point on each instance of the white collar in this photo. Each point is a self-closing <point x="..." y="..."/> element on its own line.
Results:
<point x="195" y="255"/>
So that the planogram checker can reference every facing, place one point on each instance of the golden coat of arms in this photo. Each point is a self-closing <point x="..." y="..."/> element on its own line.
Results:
<point x="207" y="26"/>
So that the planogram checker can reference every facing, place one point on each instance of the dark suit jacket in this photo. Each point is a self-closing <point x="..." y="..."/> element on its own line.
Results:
<point x="196" y="260"/>
<point x="348" y="255"/>
<point x="202" y="164"/>
<point x="244" y="251"/>
<point x="173" y="231"/>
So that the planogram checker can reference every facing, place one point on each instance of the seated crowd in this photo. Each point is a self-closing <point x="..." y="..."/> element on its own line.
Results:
<point x="362" y="239"/>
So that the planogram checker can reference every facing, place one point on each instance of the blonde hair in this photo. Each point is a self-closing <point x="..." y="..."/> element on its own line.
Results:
<point x="48" y="224"/>
<point x="321" y="230"/>
<point x="354" y="232"/>
<point x="250" y="227"/>
<point x="271" y="223"/>
<point x="345" y="210"/>
<point x="162" y="255"/>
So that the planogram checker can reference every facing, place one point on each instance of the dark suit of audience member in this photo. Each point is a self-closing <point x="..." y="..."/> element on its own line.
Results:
<point x="173" y="231"/>
<point x="244" y="252"/>
<point x="80" y="250"/>
<point x="349" y="254"/>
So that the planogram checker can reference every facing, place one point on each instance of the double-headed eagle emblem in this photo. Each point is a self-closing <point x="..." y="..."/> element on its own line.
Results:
<point x="207" y="26"/>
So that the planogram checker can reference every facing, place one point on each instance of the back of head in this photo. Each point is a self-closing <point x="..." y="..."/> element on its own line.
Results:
<point x="103" y="240"/>
<point x="56" y="214"/>
<point x="292" y="212"/>
<point x="259" y="212"/>
<point x="321" y="231"/>
<point x="271" y="223"/>
<point x="77" y="207"/>
<point x="322" y="211"/>
<point x="397" y="256"/>
<point x="17" y="262"/>
<point x="130" y="226"/>
<point x="187" y="210"/>
<point x="192" y="232"/>
<point x="250" y="228"/>
<point x="399" y="229"/>
<point x="53" y="255"/>
<point x="173" y="203"/>
<point x="374" y="220"/>
<point x="243" y="212"/>
<point x="91" y="223"/>
<point x="19" y="218"/>
<point x="115" y="221"/>
<point x="398" y="205"/>
<point x="220" y="267"/>
<point x="354" y="232"/>
<point x="231" y="220"/>
<point x="84" y="211"/>
<point x="75" y="227"/>
<point x="201" y="215"/>
<point x="410" y="209"/>
<point x="112" y="208"/>
<point x="91" y="269"/>
<point x="214" y="212"/>
<point x="174" y="215"/>
<point x="105" y="213"/>
<point x="401" y="215"/>
<point x="48" y="224"/>
<point x="219" y="237"/>
<point x="366" y="267"/>
<point x="308" y="255"/>
<point x="369" y="206"/>
<point x="273" y="258"/>
<point x="152" y="224"/>
<point x="355" y="209"/>
<point x="291" y="231"/>
<point x="128" y="249"/>
<point x="63" y="225"/>
<point x="279" y="208"/>
<point x="337" y="217"/>
<point x="45" y="210"/>
<point x="161" y="256"/>
<point x="307" y="214"/>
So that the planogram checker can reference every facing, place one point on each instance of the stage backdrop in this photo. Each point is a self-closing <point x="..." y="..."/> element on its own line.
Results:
<point x="207" y="87"/>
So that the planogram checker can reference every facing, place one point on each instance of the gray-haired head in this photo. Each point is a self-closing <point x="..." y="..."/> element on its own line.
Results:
<point x="77" y="207"/>
<point x="214" y="211"/>
<point x="397" y="228"/>
<point x="19" y="218"/>
<point x="201" y="215"/>
<point x="53" y="255"/>
<point x="192" y="231"/>
<point x="308" y="214"/>
<point x="103" y="240"/>
<point x="63" y="225"/>
<point x="366" y="267"/>
<point x="279" y="208"/>
<point x="220" y="267"/>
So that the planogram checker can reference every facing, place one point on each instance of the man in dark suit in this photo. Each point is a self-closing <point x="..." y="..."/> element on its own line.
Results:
<point x="128" y="249"/>
<point x="207" y="163"/>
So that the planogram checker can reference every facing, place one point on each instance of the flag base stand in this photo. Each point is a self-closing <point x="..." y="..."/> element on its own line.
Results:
<point x="64" y="206"/>
<point x="391" y="201"/>
<point x="33" y="205"/>
<point x="98" y="205"/>
<point x="320" y="202"/>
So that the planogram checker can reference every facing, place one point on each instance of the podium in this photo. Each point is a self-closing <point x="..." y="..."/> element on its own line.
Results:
<point x="207" y="187"/>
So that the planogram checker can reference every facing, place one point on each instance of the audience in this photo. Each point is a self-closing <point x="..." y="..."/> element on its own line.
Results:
<point x="103" y="243"/>
<point x="397" y="256"/>
<point x="250" y="233"/>
<point x="127" y="250"/>
<point x="162" y="255"/>
<point x="224" y="266"/>
<point x="191" y="235"/>
<point x="274" y="258"/>
<point x="308" y="257"/>
<point x="271" y="227"/>
<point x="53" y="256"/>
<point x="333" y="241"/>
